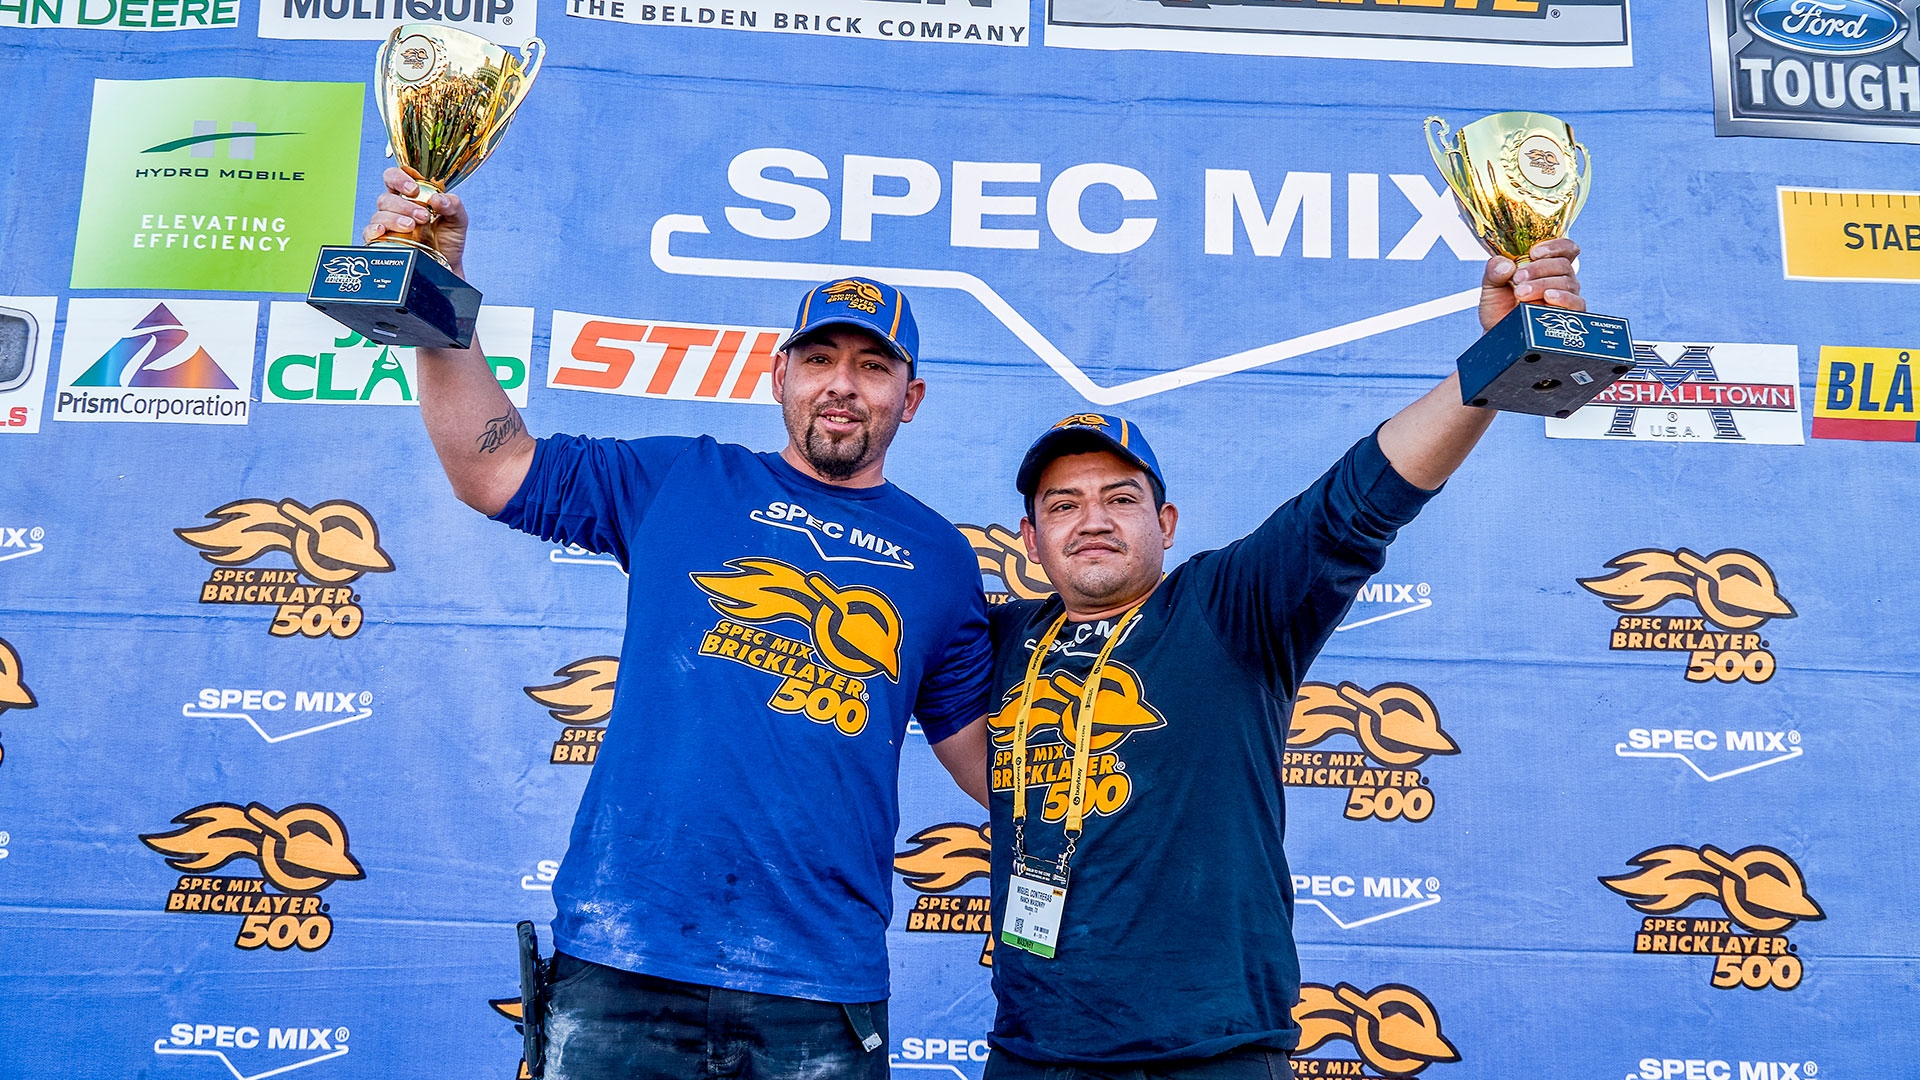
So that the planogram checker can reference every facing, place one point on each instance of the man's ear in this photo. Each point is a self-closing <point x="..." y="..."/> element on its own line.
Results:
<point x="780" y="376"/>
<point x="1169" y="520"/>
<point x="916" y="393"/>
<point x="1031" y="538"/>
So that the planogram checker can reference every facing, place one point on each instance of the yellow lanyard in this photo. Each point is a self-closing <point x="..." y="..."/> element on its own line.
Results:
<point x="1077" y="784"/>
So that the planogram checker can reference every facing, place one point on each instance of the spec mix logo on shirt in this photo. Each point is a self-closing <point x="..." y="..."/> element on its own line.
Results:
<point x="1762" y="891"/>
<point x="312" y="360"/>
<point x="1865" y="394"/>
<point x="300" y="851"/>
<point x="1815" y="69"/>
<point x="331" y="544"/>
<point x="943" y="859"/>
<point x="1394" y="1029"/>
<point x="1696" y="393"/>
<point x="13" y="688"/>
<point x="1398" y="728"/>
<point x="582" y="700"/>
<point x="173" y="361"/>
<point x="1003" y="556"/>
<point x="1733" y="590"/>
<point x="226" y="184"/>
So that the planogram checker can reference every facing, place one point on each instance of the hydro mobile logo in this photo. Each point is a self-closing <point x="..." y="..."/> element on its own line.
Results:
<point x="332" y="544"/>
<point x="582" y="700"/>
<point x="1762" y="891"/>
<point x="855" y="635"/>
<point x="1398" y="727"/>
<point x="1395" y="1030"/>
<point x="1733" y="590"/>
<point x="944" y="858"/>
<point x="13" y="689"/>
<point x="323" y="1043"/>
<point x="300" y="850"/>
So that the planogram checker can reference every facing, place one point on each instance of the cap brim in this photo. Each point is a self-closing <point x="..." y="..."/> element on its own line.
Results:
<point x="893" y="347"/>
<point x="1060" y="442"/>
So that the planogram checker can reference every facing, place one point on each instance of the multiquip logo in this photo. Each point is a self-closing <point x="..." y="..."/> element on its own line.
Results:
<point x="332" y="544"/>
<point x="14" y="693"/>
<point x="503" y="22"/>
<point x="1003" y="556"/>
<point x="945" y="858"/>
<point x="1864" y="394"/>
<point x="176" y="361"/>
<point x="300" y="851"/>
<point x="224" y="184"/>
<point x="1729" y="393"/>
<point x="651" y="358"/>
<point x="582" y="700"/>
<point x="269" y="1050"/>
<point x="1397" y="727"/>
<point x="1760" y="888"/>
<point x="1733" y="590"/>
<point x="1394" y="1030"/>
<point x="312" y="360"/>
<point x="1815" y="69"/>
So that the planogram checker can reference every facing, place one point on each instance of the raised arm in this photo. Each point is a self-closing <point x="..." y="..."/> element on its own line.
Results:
<point x="483" y="445"/>
<point x="1427" y="440"/>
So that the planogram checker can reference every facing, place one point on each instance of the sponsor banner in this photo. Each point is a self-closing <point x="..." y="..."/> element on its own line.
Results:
<point x="652" y="358"/>
<point x="330" y="544"/>
<point x="216" y="184"/>
<point x="1713" y="1068"/>
<point x="120" y="14"/>
<point x="26" y="352"/>
<point x="947" y="866"/>
<point x="1865" y="394"/>
<point x="171" y="361"/>
<point x="277" y="715"/>
<point x="299" y="851"/>
<point x="266" y="1048"/>
<point x="1734" y="591"/>
<point x="1391" y="1030"/>
<point x="1395" y="725"/>
<point x="981" y="22"/>
<point x="1352" y="901"/>
<point x="1761" y="890"/>
<point x="1680" y="392"/>
<point x="504" y="22"/>
<point x="312" y="360"/>
<point x="1828" y="235"/>
<point x="1515" y="33"/>
<point x="1815" y="69"/>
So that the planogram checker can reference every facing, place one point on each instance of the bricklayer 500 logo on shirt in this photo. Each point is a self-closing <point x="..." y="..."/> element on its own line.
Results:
<point x="226" y="184"/>
<point x="157" y="361"/>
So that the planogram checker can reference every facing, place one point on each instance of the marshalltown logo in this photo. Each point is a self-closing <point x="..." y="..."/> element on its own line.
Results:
<point x="331" y="544"/>
<point x="855" y="636"/>
<point x="1733" y="590"/>
<point x="1762" y="891"/>
<point x="1397" y="728"/>
<point x="1003" y="557"/>
<point x="582" y="700"/>
<point x="945" y="858"/>
<point x="1394" y="1029"/>
<point x="300" y="851"/>
<point x="13" y="689"/>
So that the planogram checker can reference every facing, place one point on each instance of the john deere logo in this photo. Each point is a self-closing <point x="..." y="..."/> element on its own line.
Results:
<point x="331" y="545"/>
<point x="1396" y="726"/>
<point x="1760" y="888"/>
<point x="13" y="691"/>
<point x="299" y="851"/>
<point x="943" y="859"/>
<point x="1002" y="555"/>
<point x="582" y="700"/>
<point x="1733" y="590"/>
<point x="1394" y="1029"/>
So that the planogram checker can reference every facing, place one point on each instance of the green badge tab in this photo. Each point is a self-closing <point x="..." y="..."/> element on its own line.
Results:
<point x="216" y="184"/>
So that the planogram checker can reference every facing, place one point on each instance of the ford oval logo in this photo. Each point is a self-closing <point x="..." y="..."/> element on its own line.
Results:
<point x="1827" y="27"/>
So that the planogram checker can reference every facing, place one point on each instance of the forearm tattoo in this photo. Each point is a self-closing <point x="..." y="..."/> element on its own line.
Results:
<point x="500" y="431"/>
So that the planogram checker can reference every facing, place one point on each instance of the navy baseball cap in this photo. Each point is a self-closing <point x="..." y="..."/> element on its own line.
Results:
<point x="862" y="303"/>
<point x="1084" y="433"/>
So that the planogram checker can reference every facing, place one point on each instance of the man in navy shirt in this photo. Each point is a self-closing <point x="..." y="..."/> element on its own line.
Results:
<point x="1140" y="891"/>
<point x="726" y="891"/>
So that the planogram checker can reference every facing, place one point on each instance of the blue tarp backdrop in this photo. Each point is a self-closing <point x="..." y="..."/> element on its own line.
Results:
<point x="289" y="738"/>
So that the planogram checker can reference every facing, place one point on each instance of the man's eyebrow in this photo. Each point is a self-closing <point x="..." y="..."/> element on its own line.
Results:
<point x="1126" y="482"/>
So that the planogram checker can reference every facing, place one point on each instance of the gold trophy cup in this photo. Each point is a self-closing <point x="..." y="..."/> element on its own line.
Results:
<point x="1515" y="175"/>
<point x="446" y="97"/>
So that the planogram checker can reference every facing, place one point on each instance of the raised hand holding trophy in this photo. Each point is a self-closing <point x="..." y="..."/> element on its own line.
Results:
<point x="1513" y="173"/>
<point x="446" y="97"/>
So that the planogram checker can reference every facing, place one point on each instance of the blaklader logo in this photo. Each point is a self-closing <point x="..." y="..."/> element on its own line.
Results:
<point x="1398" y="727"/>
<point x="300" y="851"/>
<point x="1003" y="555"/>
<point x="1395" y="1030"/>
<point x="13" y="689"/>
<point x="255" y="1047"/>
<point x="514" y="1011"/>
<point x="1762" y="891"/>
<point x="1733" y="590"/>
<point x="332" y="544"/>
<point x="582" y="700"/>
<point x="945" y="858"/>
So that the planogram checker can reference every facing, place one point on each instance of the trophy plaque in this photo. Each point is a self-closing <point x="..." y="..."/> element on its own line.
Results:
<point x="446" y="97"/>
<point x="1514" y="175"/>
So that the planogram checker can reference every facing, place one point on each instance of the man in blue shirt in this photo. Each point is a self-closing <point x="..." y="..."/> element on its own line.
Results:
<point x="1140" y="890"/>
<point x="726" y="891"/>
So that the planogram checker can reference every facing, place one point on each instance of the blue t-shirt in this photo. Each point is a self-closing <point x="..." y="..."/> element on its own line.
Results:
<point x="737" y="829"/>
<point x="1177" y="937"/>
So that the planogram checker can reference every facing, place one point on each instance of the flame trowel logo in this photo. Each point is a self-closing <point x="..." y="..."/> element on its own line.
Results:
<point x="331" y="544"/>
<point x="1760" y="888"/>
<point x="1395" y="1030"/>
<point x="945" y="858"/>
<point x="1734" y="591"/>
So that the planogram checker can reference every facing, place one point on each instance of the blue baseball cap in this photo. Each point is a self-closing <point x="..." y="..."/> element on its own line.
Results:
<point x="1084" y="433"/>
<point x="862" y="303"/>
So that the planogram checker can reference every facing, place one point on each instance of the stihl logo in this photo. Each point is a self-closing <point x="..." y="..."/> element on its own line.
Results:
<point x="680" y="361"/>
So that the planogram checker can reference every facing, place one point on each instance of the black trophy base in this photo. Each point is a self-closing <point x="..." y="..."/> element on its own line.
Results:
<point x="395" y="295"/>
<point x="1545" y="361"/>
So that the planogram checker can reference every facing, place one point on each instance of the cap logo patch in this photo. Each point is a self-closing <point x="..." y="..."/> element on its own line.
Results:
<point x="1083" y="420"/>
<point x="857" y="295"/>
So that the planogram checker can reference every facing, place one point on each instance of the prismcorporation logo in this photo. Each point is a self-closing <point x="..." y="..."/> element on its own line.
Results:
<point x="582" y="700"/>
<point x="300" y="851"/>
<point x="331" y="544"/>
<point x="945" y="858"/>
<point x="253" y="1046"/>
<point x="160" y="366"/>
<point x="1733" y="590"/>
<point x="13" y="688"/>
<point x="1397" y="728"/>
<point x="1002" y="555"/>
<point x="1760" y="888"/>
<point x="1394" y="1029"/>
